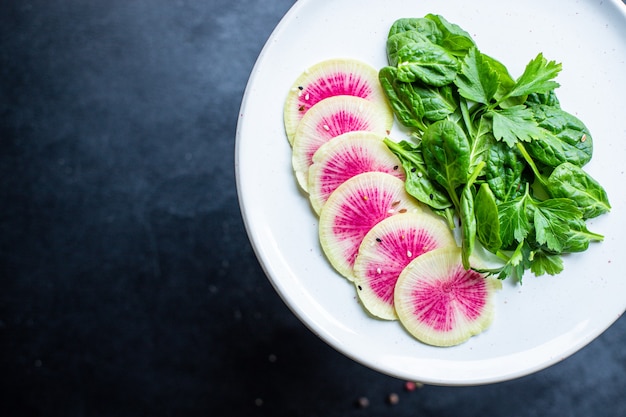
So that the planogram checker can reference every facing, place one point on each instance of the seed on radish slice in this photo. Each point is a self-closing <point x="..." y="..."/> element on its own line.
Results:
<point x="442" y="304"/>
<point x="330" y="118"/>
<point x="353" y="209"/>
<point x="387" y="249"/>
<point x="332" y="77"/>
<point x="344" y="157"/>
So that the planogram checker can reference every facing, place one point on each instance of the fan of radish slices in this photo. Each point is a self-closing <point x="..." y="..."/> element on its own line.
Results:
<point x="403" y="260"/>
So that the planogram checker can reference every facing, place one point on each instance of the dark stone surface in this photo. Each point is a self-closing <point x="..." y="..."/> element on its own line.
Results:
<point x="127" y="283"/>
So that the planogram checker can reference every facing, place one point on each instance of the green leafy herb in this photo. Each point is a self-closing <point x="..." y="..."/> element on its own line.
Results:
<point x="487" y="219"/>
<point x="468" y="221"/>
<point x="571" y="182"/>
<point x="538" y="77"/>
<point x="418" y="183"/>
<point x="426" y="62"/>
<point x="453" y="37"/>
<point x="498" y="153"/>
<point x="514" y="124"/>
<point x="545" y="263"/>
<point x="477" y="80"/>
<point x="504" y="172"/>
<point x="446" y="154"/>
<point x="406" y="102"/>
<point x="563" y="138"/>
<point x="552" y="219"/>
<point x="514" y="220"/>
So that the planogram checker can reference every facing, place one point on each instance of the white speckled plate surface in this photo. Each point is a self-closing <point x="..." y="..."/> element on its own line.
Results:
<point x="537" y="324"/>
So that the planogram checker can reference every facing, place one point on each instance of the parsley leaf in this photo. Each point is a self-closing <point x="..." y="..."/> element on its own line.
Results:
<point x="513" y="124"/>
<point x="537" y="77"/>
<point x="543" y="263"/>
<point x="514" y="222"/>
<point x="517" y="263"/>
<point x="552" y="219"/>
<point x="477" y="81"/>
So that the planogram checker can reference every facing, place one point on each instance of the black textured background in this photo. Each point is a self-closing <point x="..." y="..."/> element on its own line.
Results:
<point x="127" y="283"/>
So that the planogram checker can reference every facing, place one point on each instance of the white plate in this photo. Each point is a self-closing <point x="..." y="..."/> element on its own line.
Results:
<point x="537" y="324"/>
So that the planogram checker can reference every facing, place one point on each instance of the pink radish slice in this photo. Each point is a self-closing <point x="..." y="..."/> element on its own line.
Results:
<point x="353" y="209"/>
<point x="346" y="156"/>
<point x="442" y="304"/>
<point x="332" y="77"/>
<point x="387" y="249"/>
<point x="330" y="118"/>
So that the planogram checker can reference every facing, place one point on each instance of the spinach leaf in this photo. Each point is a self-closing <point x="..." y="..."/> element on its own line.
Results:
<point x="468" y="225"/>
<point x="487" y="221"/>
<point x="549" y="99"/>
<point x="405" y="101"/>
<point x="564" y="137"/>
<point x="427" y="62"/>
<point x="417" y="37"/>
<point x="572" y="182"/>
<point x="579" y="238"/>
<point x="445" y="148"/>
<point x="439" y="102"/>
<point x="417" y="183"/>
<point x="504" y="172"/>
<point x="421" y="25"/>
<point x="468" y="217"/>
<point x="415" y="104"/>
<point x="551" y="151"/>
<point x="453" y="37"/>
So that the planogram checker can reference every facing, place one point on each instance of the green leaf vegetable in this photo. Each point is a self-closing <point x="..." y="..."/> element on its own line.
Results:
<point x="498" y="153"/>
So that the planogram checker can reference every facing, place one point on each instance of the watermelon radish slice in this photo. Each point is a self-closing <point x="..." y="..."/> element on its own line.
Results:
<point x="442" y="304"/>
<point x="387" y="249"/>
<point x="344" y="157"/>
<point x="353" y="209"/>
<point x="330" y="118"/>
<point x="332" y="77"/>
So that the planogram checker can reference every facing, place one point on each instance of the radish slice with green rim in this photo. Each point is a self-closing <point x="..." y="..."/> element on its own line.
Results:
<point x="353" y="209"/>
<point x="330" y="118"/>
<point x="344" y="157"/>
<point x="442" y="304"/>
<point x="387" y="249"/>
<point x="328" y="78"/>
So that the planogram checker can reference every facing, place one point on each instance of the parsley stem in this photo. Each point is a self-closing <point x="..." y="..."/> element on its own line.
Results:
<point x="476" y="173"/>
<point x="467" y="119"/>
<point x="531" y="162"/>
<point x="500" y="254"/>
